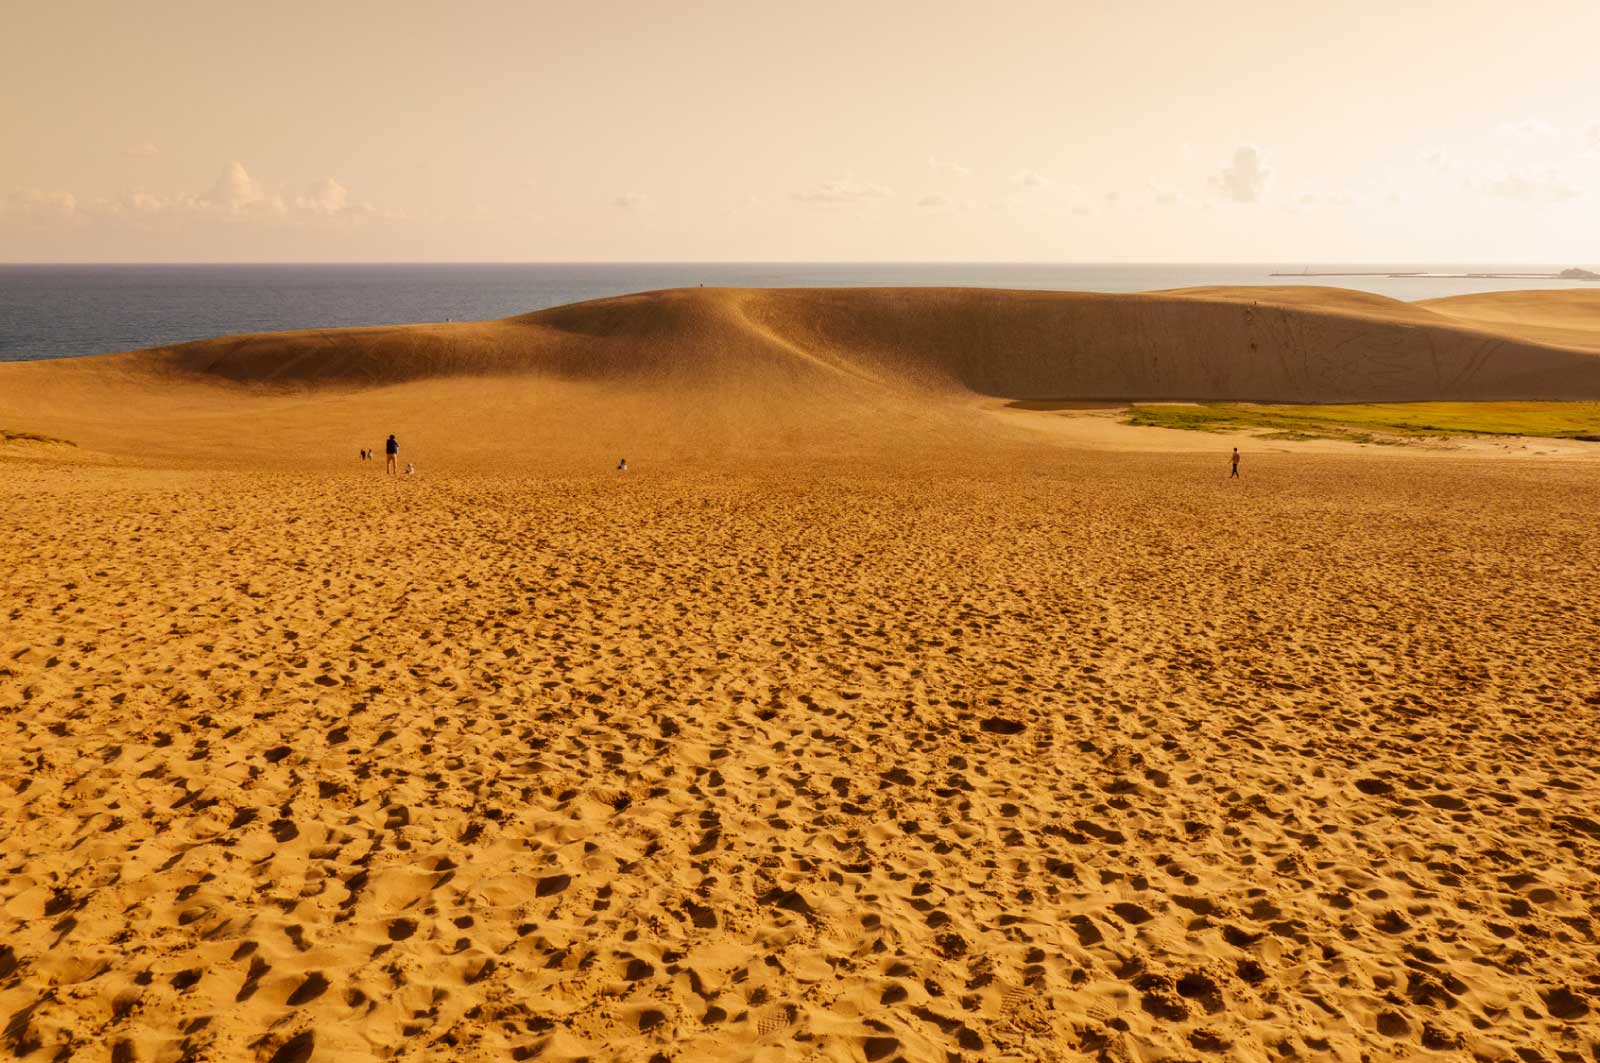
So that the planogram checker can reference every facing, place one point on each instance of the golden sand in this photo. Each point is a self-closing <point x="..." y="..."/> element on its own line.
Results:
<point x="856" y="721"/>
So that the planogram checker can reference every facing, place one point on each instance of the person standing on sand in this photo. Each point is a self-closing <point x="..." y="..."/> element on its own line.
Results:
<point x="1235" y="475"/>
<point x="392" y="449"/>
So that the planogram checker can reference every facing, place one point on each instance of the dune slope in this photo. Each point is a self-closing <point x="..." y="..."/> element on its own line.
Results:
<point x="724" y="369"/>
<point x="1569" y="317"/>
<point x="1271" y="344"/>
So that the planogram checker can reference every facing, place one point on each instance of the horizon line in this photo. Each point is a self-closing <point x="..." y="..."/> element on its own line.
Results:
<point x="1305" y="263"/>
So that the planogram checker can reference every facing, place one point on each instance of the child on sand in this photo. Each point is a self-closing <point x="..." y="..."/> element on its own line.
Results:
<point x="622" y="465"/>
<point x="1235" y="464"/>
<point x="392" y="449"/>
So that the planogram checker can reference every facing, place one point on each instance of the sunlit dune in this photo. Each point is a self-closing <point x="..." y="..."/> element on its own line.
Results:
<point x="871" y="715"/>
<point x="1570" y="318"/>
<point x="722" y="371"/>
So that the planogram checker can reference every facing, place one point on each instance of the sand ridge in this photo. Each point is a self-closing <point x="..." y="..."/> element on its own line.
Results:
<point x="1287" y="344"/>
<point x="1576" y="310"/>
<point x="1569" y="318"/>
<point x="717" y="374"/>
<point x="1074" y="344"/>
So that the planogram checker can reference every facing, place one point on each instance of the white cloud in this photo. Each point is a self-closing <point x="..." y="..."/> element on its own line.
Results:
<point x="947" y="168"/>
<point x="1245" y="180"/>
<point x="327" y="196"/>
<point x="142" y="202"/>
<point x="934" y="202"/>
<point x="234" y="198"/>
<point x="632" y="201"/>
<point x="41" y="205"/>
<point x="234" y="190"/>
<point x="145" y="150"/>
<point x="845" y="190"/>
<point x="1591" y="137"/>
<point x="1546" y="187"/>
<point x="1033" y="179"/>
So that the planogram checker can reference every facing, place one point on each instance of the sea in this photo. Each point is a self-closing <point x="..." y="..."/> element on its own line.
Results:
<point x="55" y="311"/>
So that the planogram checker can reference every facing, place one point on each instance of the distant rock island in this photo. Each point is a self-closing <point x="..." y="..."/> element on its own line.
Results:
<point x="1573" y="274"/>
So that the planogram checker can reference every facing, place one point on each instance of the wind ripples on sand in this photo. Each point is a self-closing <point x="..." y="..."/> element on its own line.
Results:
<point x="1121" y="762"/>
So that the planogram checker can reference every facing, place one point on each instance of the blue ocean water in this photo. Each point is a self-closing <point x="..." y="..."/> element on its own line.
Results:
<point x="59" y="310"/>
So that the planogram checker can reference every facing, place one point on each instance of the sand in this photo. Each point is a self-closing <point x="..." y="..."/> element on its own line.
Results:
<point x="926" y="732"/>
<point x="1569" y="317"/>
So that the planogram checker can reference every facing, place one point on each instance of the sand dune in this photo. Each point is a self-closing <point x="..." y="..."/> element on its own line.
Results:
<point x="855" y="723"/>
<point x="1565" y="318"/>
<point x="1281" y="344"/>
<point x="714" y="372"/>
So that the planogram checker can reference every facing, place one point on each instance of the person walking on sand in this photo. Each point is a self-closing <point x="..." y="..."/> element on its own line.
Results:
<point x="1235" y="475"/>
<point x="392" y="463"/>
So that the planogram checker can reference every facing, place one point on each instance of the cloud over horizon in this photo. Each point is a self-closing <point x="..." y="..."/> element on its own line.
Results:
<point x="840" y="192"/>
<point x="235" y="190"/>
<point x="235" y="198"/>
<point x="948" y="168"/>
<point x="1245" y="179"/>
<point x="39" y="204"/>
<point x="1545" y="187"/>
<point x="957" y="134"/>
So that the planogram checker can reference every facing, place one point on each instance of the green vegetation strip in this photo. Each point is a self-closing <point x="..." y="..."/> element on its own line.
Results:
<point x="1371" y="422"/>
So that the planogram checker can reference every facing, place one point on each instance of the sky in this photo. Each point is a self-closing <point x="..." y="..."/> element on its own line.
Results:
<point x="834" y="130"/>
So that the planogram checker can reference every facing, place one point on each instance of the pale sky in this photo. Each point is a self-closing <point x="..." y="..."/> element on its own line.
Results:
<point x="857" y="130"/>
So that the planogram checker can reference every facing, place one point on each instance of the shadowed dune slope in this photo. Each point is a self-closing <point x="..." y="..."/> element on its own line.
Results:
<point x="1283" y="344"/>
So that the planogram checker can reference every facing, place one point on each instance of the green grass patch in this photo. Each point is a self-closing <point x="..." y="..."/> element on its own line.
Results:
<point x="8" y="436"/>
<point x="1365" y="422"/>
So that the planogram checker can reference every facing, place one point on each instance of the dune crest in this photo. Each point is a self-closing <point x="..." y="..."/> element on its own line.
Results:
<point x="697" y="373"/>
<point x="1568" y="317"/>
<point x="1273" y="344"/>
